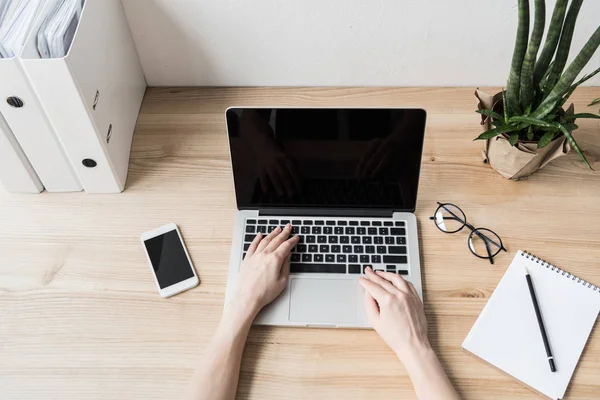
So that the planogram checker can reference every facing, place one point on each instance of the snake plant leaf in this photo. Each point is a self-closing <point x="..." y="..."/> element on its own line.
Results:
<point x="513" y="138"/>
<point x="505" y="106"/>
<point x="582" y="115"/>
<point x="532" y="121"/>
<point x="566" y="80"/>
<point x="532" y="49"/>
<point x="552" y="38"/>
<point x="514" y="77"/>
<point x="594" y="102"/>
<point x="530" y="133"/>
<point x="497" y="131"/>
<point x="490" y="113"/>
<point x="575" y="85"/>
<point x="562" y="52"/>
<point x="546" y="139"/>
<point x="574" y="145"/>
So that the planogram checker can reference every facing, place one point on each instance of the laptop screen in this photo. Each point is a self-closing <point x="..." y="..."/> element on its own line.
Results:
<point x="326" y="158"/>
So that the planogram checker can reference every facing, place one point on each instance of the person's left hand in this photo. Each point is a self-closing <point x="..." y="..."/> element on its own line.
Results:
<point x="265" y="270"/>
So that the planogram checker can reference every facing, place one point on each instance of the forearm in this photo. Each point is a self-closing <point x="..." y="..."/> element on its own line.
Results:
<point x="428" y="377"/>
<point x="217" y="375"/>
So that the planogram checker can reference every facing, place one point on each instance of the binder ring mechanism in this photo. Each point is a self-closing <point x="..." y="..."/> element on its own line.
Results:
<point x="15" y="102"/>
<point x="564" y="273"/>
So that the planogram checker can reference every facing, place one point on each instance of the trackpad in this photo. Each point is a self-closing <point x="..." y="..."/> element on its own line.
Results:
<point x="323" y="301"/>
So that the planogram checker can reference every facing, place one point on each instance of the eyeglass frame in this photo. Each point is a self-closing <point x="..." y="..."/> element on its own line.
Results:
<point x="474" y="230"/>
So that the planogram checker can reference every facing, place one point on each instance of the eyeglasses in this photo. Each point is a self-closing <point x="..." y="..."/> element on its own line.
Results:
<point x="482" y="242"/>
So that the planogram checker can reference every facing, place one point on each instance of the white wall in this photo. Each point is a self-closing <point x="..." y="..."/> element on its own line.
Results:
<point x="333" y="42"/>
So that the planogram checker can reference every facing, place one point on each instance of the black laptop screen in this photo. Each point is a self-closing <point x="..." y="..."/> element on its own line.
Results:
<point x="326" y="158"/>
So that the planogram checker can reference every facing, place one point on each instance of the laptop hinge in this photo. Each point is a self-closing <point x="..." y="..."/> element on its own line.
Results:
<point x="327" y="212"/>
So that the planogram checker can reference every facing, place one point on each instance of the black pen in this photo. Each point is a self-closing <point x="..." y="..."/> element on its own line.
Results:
<point x="540" y="322"/>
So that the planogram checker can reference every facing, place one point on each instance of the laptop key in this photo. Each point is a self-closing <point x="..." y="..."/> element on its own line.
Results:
<point x="381" y="250"/>
<point x="347" y="249"/>
<point x="329" y="258"/>
<point x="250" y="229"/>
<point x="263" y="221"/>
<point x="311" y="239"/>
<point x="244" y="256"/>
<point x="338" y="230"/>
<point x="364" y="258"/>
<point x="370" y="249"/>
<point x="376" y="259"/>
<point x="395" y="259"/>
<point x="318" y="257"/>
<point x="399" y="223"/>
<point x="344" y="239"/>
<point x="365" y="223"/>
<point x="355" y="239"/>
<point x="297" y="268"/>
<point x="353" y="258"/>
<point x="349" y="230"/>
<point x="284" y="222"/>
<point x="248" y="238"/>
<point x="341" y="258"/>
<point x="261" y="229"/>
<point x="366" y="266"/>
<point x="273" y="222"/>
<point x="388" y="223"/>
<point x="330" y="222"/>
<point x="246" y="246"/>
<point x="295" y="230"/>
<point x="297" y="222"/>
<point x="324" y="248"/>
<point x="305" y="230"/>
<point x="296" y="257"/>
<point x="359" y="249"/>
<point x="389" y="240"/>
<point x="390" y="268"/>
<point x="378" y="240"/>
<point x="306" y="257"/>
<point x="342" y="223"/>
<point x="376" y="223"/>
<point x="335" y="248"/>
<point x="384" y="231"/>
<point x="327" y="230"/>
<point x="372" y="231"/>
<point x="367" y="240"/>
<point x="307" y="222"/>
<point x="321" y="239"/>
<point x="332" y="239"/>
<point x="251" y="221"/>
<point x="319" y="222"/>
<point x="402" y="272"/>
<point x="398" y="231"/>
<point x="313" y="248"/>
<point x="301" y="248"/>
<point x="397" y="249"/>
<point x="353" y="223"/>
<point x="361" y="231"/>
<point x="316" y="230"/>
<point x="354" y="269"/>
<point x="271" y="228"/>
<point x="400" y="240"/>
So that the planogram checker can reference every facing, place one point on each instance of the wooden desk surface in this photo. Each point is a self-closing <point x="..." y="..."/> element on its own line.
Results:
<point x="80" y="317"/>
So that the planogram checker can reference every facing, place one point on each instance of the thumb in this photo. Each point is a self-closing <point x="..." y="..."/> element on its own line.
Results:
<point x="372" y="308"/>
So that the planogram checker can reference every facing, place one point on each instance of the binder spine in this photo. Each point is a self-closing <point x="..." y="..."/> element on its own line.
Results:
<point x="564" y="273"/>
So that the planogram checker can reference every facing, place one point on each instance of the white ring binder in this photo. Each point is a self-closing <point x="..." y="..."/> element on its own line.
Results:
<point x="567" y="274"/>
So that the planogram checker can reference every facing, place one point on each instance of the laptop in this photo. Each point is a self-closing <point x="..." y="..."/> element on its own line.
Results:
<point x="347" y="180"/>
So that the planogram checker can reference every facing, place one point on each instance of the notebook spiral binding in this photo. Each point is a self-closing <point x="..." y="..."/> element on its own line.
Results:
<point x="564" y="273"/>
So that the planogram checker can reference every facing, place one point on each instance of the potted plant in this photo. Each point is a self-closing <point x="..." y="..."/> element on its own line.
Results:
<point x="526" y="125"/>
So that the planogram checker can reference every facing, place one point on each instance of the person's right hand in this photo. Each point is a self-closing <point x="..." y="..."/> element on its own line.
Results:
<point x="396" y="312"/>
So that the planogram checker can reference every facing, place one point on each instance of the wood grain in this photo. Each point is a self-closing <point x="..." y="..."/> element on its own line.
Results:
<point x="80" y="317"/>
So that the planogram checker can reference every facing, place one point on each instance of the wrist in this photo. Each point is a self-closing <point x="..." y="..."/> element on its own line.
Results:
<point x="239" y="313"/>
<point x="415" y="355"/>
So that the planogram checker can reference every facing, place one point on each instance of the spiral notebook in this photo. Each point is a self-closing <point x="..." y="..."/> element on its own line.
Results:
<point x="507" y="335"/>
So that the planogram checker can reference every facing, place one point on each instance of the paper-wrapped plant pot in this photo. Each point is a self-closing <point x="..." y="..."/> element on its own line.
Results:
<point x="523" y="159"/>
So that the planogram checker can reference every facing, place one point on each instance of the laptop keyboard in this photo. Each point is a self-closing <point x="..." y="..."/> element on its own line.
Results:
<point x="340" y="246"/>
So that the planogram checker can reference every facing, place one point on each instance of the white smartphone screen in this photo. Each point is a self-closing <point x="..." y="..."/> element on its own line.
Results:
<point x="168" y="259"/>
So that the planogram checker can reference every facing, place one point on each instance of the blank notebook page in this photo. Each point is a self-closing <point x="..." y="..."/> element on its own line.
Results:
<point x="507" y="334"/>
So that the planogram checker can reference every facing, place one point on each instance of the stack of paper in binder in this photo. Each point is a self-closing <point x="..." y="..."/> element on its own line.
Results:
<point x="73" y="86"/>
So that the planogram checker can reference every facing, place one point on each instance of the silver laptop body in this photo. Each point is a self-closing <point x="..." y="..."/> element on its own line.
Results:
<point x="347" y="180"/>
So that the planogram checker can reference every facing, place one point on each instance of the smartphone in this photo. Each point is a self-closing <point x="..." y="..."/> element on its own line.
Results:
<point x="169" y="260"/>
